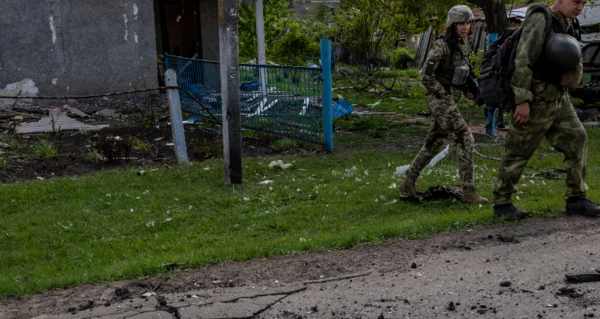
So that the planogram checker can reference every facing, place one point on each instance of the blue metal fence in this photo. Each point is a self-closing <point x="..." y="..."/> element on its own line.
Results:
<point x="287" y="103"/>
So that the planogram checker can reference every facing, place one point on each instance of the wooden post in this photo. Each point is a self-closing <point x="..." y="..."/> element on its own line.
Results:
<point x="230" y="90"/>
<point x="176" y="119"/>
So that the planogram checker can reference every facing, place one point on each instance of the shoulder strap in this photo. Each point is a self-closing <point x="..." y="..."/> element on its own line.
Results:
<point x="549" y="19"/>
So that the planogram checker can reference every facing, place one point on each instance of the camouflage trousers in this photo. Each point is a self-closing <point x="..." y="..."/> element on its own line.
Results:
<point x="447" y="121"/>
<point x="558" y="122"/>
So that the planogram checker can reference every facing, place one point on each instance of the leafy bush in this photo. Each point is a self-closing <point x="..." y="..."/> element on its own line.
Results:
<point x="475" y="59"/>
<point x="92" y="155"/>
<point x="295" y="47"/>
<point x="402" y="58"/>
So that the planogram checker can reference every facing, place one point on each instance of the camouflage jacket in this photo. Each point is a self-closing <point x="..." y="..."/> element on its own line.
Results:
<point x="436" y="74"/>
<point x="529" y="50"/>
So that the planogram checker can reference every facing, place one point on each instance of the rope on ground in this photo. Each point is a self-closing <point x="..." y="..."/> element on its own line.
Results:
<point x="16" y="98"/>
<point x="485" y="156"/>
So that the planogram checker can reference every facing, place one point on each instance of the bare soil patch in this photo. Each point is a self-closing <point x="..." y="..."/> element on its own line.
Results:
<point x="150" y="144"/>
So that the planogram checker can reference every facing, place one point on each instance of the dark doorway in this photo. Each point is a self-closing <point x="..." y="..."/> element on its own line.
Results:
<point x="179" y="27"/>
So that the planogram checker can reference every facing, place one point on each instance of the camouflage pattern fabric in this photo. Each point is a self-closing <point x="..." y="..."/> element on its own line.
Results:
<point x="551" y="115"/>
<point x="437" y="70"/>
<point x="447" y="121"/>
<point x="529" y="49"/>
<point x="558" y="122"/>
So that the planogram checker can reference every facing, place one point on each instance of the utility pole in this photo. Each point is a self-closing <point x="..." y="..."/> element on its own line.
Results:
<point x="230" y="90"/>
<point x="260" y="43"/>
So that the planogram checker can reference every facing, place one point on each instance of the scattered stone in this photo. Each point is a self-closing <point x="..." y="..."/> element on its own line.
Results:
<point x="314" y="309"/>
<point x="507" y="239"/>
<point x="72" y="310"/>
<point x="505" y="284"/>
<point x="569" y="292"/>
<point x="121" y="291"/>
<point x="451" y="306"/>
<point x="88" y="304"/>
<point x="413" y="265"/>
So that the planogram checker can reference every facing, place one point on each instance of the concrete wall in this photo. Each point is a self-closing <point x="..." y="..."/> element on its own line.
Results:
<point x="78" y="47"/>
<point x="209" y="12"/>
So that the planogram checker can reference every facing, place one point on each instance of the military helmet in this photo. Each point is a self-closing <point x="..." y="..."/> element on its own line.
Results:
<point x="563" y="51"/>
<point x="459" y="13"/>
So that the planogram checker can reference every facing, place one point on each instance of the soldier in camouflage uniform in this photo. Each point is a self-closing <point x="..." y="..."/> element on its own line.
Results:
<point x="444" y="75"/>
<point x="543" y="109"/>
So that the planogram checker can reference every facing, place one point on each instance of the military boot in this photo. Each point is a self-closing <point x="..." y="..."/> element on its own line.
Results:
<point x="408" y="186"/>
<point x="509" y="211"/>
<point x="472" y="197"/>
<point x="580" y="205"/>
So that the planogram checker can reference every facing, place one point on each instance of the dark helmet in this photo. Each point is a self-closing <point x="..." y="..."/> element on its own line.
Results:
<point x="563" y="51"/>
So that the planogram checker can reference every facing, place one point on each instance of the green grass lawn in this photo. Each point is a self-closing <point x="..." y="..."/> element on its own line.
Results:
<point x="116" y="224"/>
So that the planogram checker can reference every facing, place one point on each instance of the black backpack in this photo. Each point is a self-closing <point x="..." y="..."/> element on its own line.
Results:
<point x="498" y="65"/>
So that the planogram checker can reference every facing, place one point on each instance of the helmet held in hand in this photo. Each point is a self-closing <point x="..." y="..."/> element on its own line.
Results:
<point x="563" y="51"/>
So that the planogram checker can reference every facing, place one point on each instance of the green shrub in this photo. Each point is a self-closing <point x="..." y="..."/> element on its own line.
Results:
<point x="92" y="155"/>
<point x="295" y="47"/>
<point x="475" y="59"/>
<point x="402" y="58"/>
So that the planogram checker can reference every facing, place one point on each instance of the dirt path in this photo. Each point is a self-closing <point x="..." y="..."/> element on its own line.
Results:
<point x="505" y="271"/>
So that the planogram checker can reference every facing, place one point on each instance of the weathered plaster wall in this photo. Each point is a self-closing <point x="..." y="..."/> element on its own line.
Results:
<point x="78" y="47"/>
<point x="210" y="29"/>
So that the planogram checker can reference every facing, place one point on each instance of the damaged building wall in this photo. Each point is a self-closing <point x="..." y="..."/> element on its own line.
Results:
<point x="209" y="12"/>
<point x="78" y="47"/>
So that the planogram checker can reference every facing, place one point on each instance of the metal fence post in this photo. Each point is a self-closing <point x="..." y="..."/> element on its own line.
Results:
<point x="176" y="118"/>
<point x="230" y="91"/>
<point x="327" y="95"/>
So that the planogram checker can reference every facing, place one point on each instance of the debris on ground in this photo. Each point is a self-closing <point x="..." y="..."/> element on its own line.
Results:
<point x="279" y="164"/>
<point x="585" y="277"/>
<point x="435" y="193"/>
<point x="58" y="120"/>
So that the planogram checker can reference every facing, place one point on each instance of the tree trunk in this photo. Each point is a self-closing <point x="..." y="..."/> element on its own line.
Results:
<point x="495" y="14"/>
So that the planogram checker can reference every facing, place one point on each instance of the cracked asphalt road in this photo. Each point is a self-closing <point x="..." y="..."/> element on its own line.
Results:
<point x="505" y="271"/>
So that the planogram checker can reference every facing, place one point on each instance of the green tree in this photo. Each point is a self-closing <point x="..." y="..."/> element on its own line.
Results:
<point x="295" y="47"/>
<point x="323" y="13"/>
<point x="275" y="14"/>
